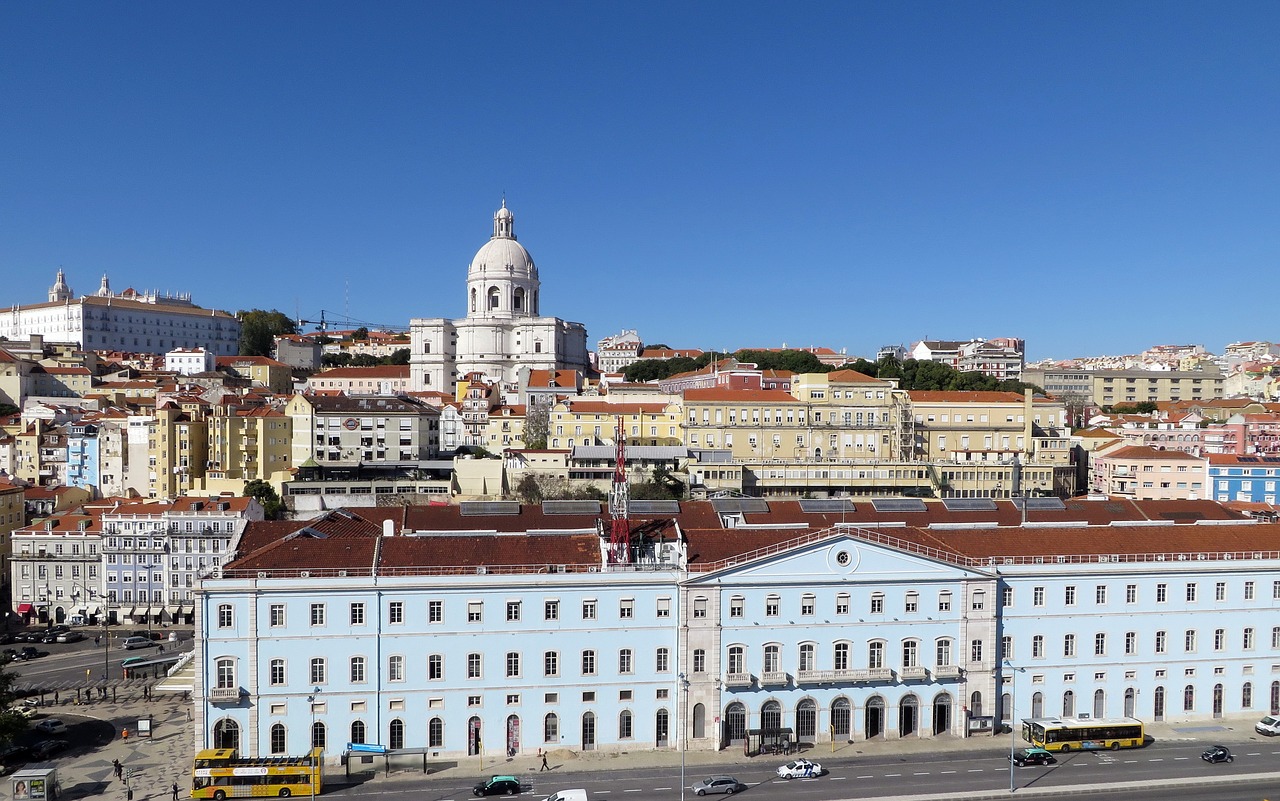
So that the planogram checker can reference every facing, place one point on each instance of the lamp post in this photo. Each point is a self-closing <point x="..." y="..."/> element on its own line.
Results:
<point x="1013" y="729"/>
<point x="106" y="634"/>
<point x="311" y="738"/>
<point x="684" y="685"/>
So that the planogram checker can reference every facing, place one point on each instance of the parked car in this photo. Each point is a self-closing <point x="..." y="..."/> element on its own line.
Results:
<point x="718" y="784"/>
<point x="8" y="655"/>
<point x="31" y="652"/>
<point x="1217" y="753"/>
<point x="6" y="638"/>
<point x="70" y="636"/>
<point x="1033" y="756"/>
<point x="51" y="726"/>
<point x="24" y="711"/>
<point x="49" y="638"/>
<point x="800" y="769"/>
<point x="1270" y="726"/>
<point x="500" y="785"/>
<point x="138" y="642"/>
<point x="47" y="748"/>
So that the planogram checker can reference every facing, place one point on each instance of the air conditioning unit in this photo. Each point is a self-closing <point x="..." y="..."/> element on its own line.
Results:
<point x="262" y="574"/>
<point x="305" y="574"/>
<point x="593" y="569"/>
<point x="342" y="574"/>
<point x="481" y="570"/>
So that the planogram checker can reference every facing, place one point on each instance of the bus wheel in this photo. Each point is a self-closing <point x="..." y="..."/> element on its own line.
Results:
<point x="284" y="792"/>
<point x="1065" y="748"/>
<point x="219" y="795"/>
<point x="1115" y="746"/>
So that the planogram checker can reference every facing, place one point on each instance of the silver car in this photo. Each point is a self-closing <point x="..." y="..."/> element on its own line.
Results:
<point x="718" y="784"/>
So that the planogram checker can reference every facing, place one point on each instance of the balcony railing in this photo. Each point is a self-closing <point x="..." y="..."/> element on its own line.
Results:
<point x="915" y="672"/>
<point x="223" y="695"/>
<point x="947" y="672"/>
<point x="739" y="680"/>
<point x="774" y="678"/>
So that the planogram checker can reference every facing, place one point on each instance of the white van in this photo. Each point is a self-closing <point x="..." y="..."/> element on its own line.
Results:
<point x="1270" y="726"/>
<point x="567" y="795"/>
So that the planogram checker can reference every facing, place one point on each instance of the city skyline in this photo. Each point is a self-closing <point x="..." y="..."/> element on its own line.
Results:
<point x="1076" y="176"/>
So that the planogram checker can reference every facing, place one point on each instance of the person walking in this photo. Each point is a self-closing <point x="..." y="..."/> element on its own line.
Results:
<point x="544" y="762"/>
<point x="119" y="769"/>
<point x="175" y="791"/>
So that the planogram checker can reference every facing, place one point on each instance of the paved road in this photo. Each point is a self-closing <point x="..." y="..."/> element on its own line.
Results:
<point x="71" y="665"/>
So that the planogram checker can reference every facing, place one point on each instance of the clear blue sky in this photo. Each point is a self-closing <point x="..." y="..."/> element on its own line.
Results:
<point x="1092" y="177"/>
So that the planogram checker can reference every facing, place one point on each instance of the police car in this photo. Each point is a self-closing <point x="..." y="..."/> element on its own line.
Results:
<point x="800" y="769"/>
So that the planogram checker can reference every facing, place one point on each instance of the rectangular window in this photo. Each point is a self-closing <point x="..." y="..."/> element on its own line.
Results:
<point x="772" y="606"/>
<point x="588" y="663"/>
<point x="1131" y="593"/>
<point x="1069" y="596"/>
<point x="1190" y="640"/>
<point x="317" y="614"/>
<point x="944" y="601"/>
<point x="1160" y="642"/>
<point x="664" y="608"/>
<point x="1191" y="592"/>
<point x="1131" y="643"/>
<point x="1099" y="645"/>
<point x="435" y="611"/>
<point x="357" y="614"/>
<point x="699" y="660"/>
<point x="1248" y="639"/>
<point x="551" y="663"/>
<point x="435" y="667"/>
<point x="395" y="668"/>
<point x="513" y="611"/>
<point x="277" y="672"/>
<point x="1100" y="594"/>
<point x="1220" y="591"/>
<point x="475" y="665"/>
<point x="807" y="604"/>
<point x="700" y="608"/>
<point x="626" y="609"/>
<point x="978" y="601"/>
<point x="1248" y="590"/>
<point x="912" y="603"/>
<point x="877" y="604"/>
<point x="588" y="610"/>
<point x="1162" y="593"/>
<point x="475" y="611"/>
<point x="625" y="663"/>
<point x="395" y="612"/>
<point x="1219" y="639"/>
<point x="975" y="651"/>
<point x="1037" y="596"/>
<point x="513" y="664"/>
<point x="551" y="610"/>
<point x="277" y="616"/>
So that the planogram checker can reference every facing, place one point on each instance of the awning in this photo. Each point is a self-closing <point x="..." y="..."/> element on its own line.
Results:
<point x="24" y="609"/>
<point x="130" y="611"/>
<point x="80" y="610"/>
<point x="97" y="610"/>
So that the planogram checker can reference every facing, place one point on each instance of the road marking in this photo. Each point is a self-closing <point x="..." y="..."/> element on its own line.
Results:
<point x="1130" y="761"/>
<point x="926" y="773"/>
<point x="1254" y="753"/>
<point x="892" y="775"/>
<point x="637" y="790"/>
<point x="947" y="771"/>
<point x="975" y="770"/>
<point x="1177" y="759"/>
<point x="1156" y="759"/>
<point x="866" y="777"/>
<point x="839" y="778"/>
<point x="662" y="788"/>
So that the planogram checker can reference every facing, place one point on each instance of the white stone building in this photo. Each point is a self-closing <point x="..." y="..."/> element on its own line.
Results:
<point x="503" y="330"/>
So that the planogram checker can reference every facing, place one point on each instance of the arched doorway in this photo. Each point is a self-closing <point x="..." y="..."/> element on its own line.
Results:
<point x="473" y="736"/>
<point x="941" y="714"/>
<point x="588" y="731"/>
<point x="1037" y="705"/>
<point x="806" y="721"/>
<point x="908" y="716"/>
<point x="395" y="738"/>
<point x="1099" y="703"/>
<point x="1068" y="704"/>
<point x="841" y="717"/>
<point x="873" y="723"/>
<point x="735" y="724"/>
<point x="770" y="717"/>
<point x="59" y="615"/>
<point x="1217" y="700"/>
<point x="1006" y="707"/>
<point x="1158" y="709"/>
<point x="319" y="735"/>
<point x="662" y="725"/>
<point x="975" y="704"/>
<point x="1130" y="702"/>
<point x="1275" y="697"/>
<point x="699" y="721"/>
<point x="226" y="734"/>
<point x="513" y="735"/>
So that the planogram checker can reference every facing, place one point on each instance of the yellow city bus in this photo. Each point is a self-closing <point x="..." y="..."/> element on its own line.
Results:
<point x="218" y="773"/>
<point x="1083" y="734"/>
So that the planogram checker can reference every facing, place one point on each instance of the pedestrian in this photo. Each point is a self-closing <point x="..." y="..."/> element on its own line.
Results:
<point x="188" y="714"/>
<point x="55" y="697"/>
<point x="119" y="769"/>
<point x="162" y="649"/>
<point x="175" y="791"/>
<point x="124" y="734"/>
<point x="544" y="762"/>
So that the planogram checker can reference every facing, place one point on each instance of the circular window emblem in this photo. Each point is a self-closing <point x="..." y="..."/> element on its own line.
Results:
<point x="843" y="558"/>
<point x="351" y="424"/>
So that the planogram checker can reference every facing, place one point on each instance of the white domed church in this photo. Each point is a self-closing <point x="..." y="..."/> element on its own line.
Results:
<point x="502" y="331"/>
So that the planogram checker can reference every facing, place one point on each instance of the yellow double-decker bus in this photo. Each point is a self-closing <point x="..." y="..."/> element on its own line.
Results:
<point x="1084" y="734"/>
<point x="218" y="774"/>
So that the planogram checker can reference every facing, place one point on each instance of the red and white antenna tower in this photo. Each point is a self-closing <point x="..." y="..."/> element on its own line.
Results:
<point x="619" y="501"/>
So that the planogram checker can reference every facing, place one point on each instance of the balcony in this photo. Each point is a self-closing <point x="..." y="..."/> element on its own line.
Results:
<point x="915" y="672"/>
<point x="947" y="672"/>
<point x="774" y="678"/>
<point x="872" y="674"/>
<point x="738" y="680"/>
<point x="224" y="695"/>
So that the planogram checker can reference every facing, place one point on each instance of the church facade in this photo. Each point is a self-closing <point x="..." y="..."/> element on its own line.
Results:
<point x="503" y="330"/>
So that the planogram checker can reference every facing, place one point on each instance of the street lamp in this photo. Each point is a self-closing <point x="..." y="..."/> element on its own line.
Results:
<point x="1013" y="728"/>
<point x="311" y="738"/>
<point x="684" y="685"/>
<point x="106" y="633"/>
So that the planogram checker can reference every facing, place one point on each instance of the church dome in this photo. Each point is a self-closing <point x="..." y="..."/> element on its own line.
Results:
<point x="502" y="256"/>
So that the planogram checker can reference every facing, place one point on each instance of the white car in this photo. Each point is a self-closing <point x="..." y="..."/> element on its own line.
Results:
<point x="1270" y="726"/>
<point x="51" y="726"/>
<point x="800" y="769"/>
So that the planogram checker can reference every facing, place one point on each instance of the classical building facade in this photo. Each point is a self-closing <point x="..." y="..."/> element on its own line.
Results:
<point x="495" y="627"/>
<point x="141" y="322"/>
<point x="503" y="330"/>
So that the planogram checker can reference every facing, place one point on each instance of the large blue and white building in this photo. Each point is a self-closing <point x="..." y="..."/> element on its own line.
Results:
<point x="495" y="627"/>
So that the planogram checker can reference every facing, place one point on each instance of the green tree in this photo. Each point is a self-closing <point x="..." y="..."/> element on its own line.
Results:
<point x="7" y="409"/>
<point x="399" y="356"/>
<point x="258" y="330"/>
<point x="529" y="489"/>
<point x="360" y="334"/>
<point x="266" y="494"/>
<point x="11" y="723"/>
<point x="1142" y="407"/>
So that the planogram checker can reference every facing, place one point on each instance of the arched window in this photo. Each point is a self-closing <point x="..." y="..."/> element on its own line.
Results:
<point x="357" y="669"/>
<point x="1188" y="698"/>
<point x="807" y="651"/>
<point x="624" y="725"/>
<point x="772" y="658"/>
<point x="662" y="725"/>
<point x="737" y="659"/>
<point x="357" y="731"/>
<point x="1158" y="704"/>
<point x="841" y="717"/>
<point x="278" y="744"/>
<point x="1006" y="707"/>
<point x="551" y="728"/>
<point x="771" y="715"/>
<point x="225" y="669"/>
<point x="806" y="719"/>
<point x="699" y="721"/>
<point x="493" y="298"/>
<point x="435" y="733"/>
<point x="1099" y="703"/>
<point x="910" y="653"/>
<point x="317" y="670"/>
<point x="875" y="654"/>
<point x="473" y="300"/>
<point x="226" y="734"/>
<point x="1037" y="705"/>
<point x="395" y="734"/>
<point x="1068" y="704"/>
<point x="518" y="300"/>
<point x="318" y="735"/>
<point x="841" y="656"/>
<point x="975" y="704"/>
<point x="943" y="652"/>
<point x="1246" y="695"/>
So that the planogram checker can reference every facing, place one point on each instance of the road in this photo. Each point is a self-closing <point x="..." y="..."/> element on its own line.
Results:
<point x="947" y="773"/>
<point x="79" y="664"/>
